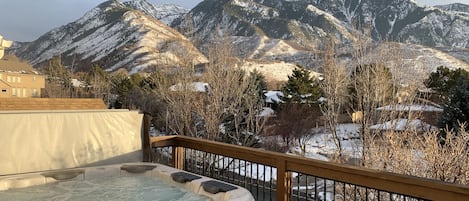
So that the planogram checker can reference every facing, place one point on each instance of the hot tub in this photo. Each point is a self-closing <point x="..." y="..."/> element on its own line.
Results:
<point x="130" y="181"/>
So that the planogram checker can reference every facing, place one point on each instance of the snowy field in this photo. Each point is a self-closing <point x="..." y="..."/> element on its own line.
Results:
<point x="320" y="146"/>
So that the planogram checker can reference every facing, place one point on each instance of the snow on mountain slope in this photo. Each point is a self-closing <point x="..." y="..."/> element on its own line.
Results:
<point x="114" y="36"/>
<point x="433" y="58"/>
<point x="410" y="63"/>
<point x="439" y="29"/>
<point x="404" y="20"/>
<point x="268" y="49"/>
<point x="271" y="30"/>
<point x="166" y="13"/>
<point x="273" y="71"/>
<point x="458" y="7"/>
<point x="295" y="31"/>
<point x="337" y="24"/>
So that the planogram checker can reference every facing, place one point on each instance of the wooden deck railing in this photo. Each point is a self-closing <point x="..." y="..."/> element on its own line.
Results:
<point x="366" y="184"/>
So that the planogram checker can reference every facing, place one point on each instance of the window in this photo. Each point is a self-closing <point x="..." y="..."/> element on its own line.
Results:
<point x="34" y="93"/>
<point x="13" y="91"/>
<point x="14" y="79"/>
<point x="19" y="79"/>
<point x="8" y="79"/>
<point x="24" y="92"/>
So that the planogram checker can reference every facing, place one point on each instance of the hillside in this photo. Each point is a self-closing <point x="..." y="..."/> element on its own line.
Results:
<point x="114" y="36"/>
<point x="134" y="35"/>
<point x="297" y="31"/>
<point x="166" y="13"/>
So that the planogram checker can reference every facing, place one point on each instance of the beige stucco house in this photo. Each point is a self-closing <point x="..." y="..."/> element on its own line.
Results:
<point x="19" y="79"/>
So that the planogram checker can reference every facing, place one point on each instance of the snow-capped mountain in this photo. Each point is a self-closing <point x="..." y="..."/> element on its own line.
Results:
<point x="403" y="20"/>
<point x="439" y="28"/>
<point x="458" y="7"/>
<point x="266" y="29"/>
<point x="114" y="35"/>
<point x="166" y="13"/>
<point x="133" y="34"/>
<point x="296" y="30"/>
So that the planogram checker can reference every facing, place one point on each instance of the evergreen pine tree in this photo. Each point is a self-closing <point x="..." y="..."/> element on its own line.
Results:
<point x="456" y="110"/>
<point x="257" y="80"/>
<point x="453" y="88"/>
<point x="301" y="87"/>
<point x="444" y="80"/>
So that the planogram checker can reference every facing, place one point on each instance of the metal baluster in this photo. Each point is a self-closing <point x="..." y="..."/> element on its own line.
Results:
<point x="298" y="186"/>
<point x="315" y="188"/>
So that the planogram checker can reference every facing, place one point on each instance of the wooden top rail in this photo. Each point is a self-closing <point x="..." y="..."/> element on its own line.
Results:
<point x="390" y="182"/>
<point x="7" y="104"/>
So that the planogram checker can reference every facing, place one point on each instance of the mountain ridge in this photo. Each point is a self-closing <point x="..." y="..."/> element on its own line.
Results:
<point x="304" y="26"/>
<point x="113" y="35"/>
<point x="134" y="35"/>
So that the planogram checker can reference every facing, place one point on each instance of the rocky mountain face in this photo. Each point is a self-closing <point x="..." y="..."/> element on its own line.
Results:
<point x="404" y="20"/>
<point x="115" y="35"/>
<point x="133" y="35"/>
<point x="290" y="30"/>
<point x="266" y="29"/>
<point x="166" y="13"/>
<point x="306" y="21"/>
<point x="458" y="7"/>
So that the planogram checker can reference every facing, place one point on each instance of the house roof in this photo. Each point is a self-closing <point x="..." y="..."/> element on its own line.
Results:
<point x="193" y="86"/>
<point x="409" y="108"/>
<point x="51" y="104"/>
<point x="273" y="96"/>
<point x="14" y="64"/>
<point x="404" y="125"/>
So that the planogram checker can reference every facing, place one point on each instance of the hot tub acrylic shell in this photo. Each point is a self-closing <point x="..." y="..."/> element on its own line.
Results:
<point x="161" y="171"/>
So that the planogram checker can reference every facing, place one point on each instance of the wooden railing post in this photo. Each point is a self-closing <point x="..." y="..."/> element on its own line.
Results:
<point x="178" y="157"/>
<point x="283" y="181"/>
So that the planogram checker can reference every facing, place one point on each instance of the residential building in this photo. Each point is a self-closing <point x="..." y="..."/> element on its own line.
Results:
<point x="19" y="79"/>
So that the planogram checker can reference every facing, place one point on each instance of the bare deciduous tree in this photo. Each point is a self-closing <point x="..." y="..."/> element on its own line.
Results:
<point x="295" y="123"/>
<point x="334" y="88"/>
<point x="232" y="100"/>
<point x="421" y="154"/>
<point x="225" y="110"/>
<point x="58" y="79"/>
<point x="179" y="97"/>
<point x="99" y="82"/>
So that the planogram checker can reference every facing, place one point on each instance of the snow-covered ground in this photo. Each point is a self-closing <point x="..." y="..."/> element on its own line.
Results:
<point x="320" y="146"/>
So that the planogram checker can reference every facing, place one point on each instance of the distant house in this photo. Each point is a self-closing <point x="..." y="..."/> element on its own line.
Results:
<point x="273" y="97"/>
<point x="201" y="87"/>
<point x="427" y="113"/>
<point x="401" y="125"/>
<point x="19" y="79"/>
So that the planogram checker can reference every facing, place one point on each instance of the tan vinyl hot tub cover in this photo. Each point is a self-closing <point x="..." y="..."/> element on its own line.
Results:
<point x="33" y="141"/>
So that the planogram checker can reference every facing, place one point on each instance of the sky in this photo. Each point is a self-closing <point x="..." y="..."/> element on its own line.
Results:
<point x="26" y="20"/>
